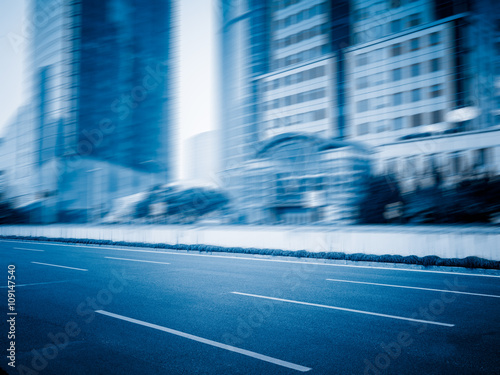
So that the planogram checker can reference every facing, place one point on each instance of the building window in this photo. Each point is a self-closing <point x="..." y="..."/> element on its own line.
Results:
<point x="435" y="65"/>
<point x="434" y="38"/>
<point x="435" y="91"/>
<point x="394" y="4"/>
<point x="378" y="78"/>
<point x="378" y="102"/>
<point x="362" y="59"/>
<point x="416" y="95"/>
<point x="456" y="162"/>
<point x="411" y="166"/>
<point x="414" y="20"/>
<point x="397" y="99"/>
<point x="415" y="70"/>
<point x="380" y="126"/>
<point x="396" y="26"/>
<point x="319" y="114"/>
<point x="363" y="105"/>
<point x="397" y="74"/>
<point x="397" y="123"/>
<point x="364" y="128"/>
<point x="414" y="44"/>
<point x="416" y="120"/>
<point x="481" y="157"/>
<point x="377" y="54"/>
<point x="396" y="49"/>
<point x="377" y="32"/>
<point x="436" y="117"/>
<point x="430" y="164"/>
<point x="362" y="83"/>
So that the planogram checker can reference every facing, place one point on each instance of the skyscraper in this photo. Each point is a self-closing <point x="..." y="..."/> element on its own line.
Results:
<point x="101" y="87"/>
<point x="423" y="86"/>
<point x="282" y="70"/>
<point x="245" y="57"/>
<point x="278" y="133"/>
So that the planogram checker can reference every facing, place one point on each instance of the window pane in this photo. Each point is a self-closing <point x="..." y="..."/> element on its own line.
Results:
<point x="434" y="38"/>
<point x="416" y="120"/>
<point x="397" y="98"/>
<point x="397" y="123"/>
<point x="415" y="70"/>
<point x="396" y="26"/>
<point x="437" y="116"/>
<point x="435" y="91"/>
<point x="396" y="74"/>
<point x="435" y="65"/>
<point x="416" y="95"/>
<point x="363" y="128"/>
<point x="414" y="44"/>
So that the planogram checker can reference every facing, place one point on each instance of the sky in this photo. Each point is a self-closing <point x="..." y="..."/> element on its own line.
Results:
<point x="196" y="96"/>
<point x="11" y="58"/>
<point x="197" y="70"/>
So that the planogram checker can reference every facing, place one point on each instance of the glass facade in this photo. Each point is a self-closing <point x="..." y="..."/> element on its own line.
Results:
<point x="245" y="56"/>
<point x="301" y="179"/>
<point x="101" y="110"/>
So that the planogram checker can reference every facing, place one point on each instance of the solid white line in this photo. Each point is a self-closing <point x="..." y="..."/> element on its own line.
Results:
<point x="136" y="260"/>
<point x="418" y="288"/>
<point x="349" y="310"/>
<point x="22" y="248"/>
<point x="55" y="265"/>
<point x="159" y="251"/>
<point x="248" y="353"/>
<point x="48" y="282"/>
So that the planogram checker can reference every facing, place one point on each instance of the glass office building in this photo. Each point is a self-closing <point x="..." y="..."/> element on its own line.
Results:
<point x="102" y="111"/>
<point x="423" y="87"/>
<point x="414" y="81"/>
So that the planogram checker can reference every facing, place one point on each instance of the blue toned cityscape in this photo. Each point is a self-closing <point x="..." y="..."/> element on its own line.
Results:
<point x="250" y="186"/>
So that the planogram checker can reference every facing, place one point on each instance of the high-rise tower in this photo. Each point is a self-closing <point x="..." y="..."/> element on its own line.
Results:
<point x="101" y="106"/>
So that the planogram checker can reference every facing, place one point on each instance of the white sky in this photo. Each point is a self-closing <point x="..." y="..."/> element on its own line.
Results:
<point x="197" y="74"/>
<point x="196" y="97"/>
<point x="11" y="59"/>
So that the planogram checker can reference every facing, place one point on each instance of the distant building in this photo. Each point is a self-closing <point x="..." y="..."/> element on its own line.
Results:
<point x="301" y="179"/>
<point x="101" y="103"/>
<point x="415" y="81"/>
<point x="202" y="156"/>
<point x="283" y="73"/>
<point x="245" y="57"/>
<point x="282" y="70"/>
<point x="423" y="86"/>
<point x="18" y="159"/>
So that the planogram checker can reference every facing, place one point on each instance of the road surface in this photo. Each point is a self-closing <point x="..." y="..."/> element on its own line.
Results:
<point x="108" y="310"/>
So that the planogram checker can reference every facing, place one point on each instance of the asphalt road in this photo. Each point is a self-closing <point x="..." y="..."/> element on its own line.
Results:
<point x="90" y="310"/>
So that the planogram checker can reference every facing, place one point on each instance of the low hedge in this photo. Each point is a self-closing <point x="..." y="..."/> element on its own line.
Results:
<point x="430" y="260"/>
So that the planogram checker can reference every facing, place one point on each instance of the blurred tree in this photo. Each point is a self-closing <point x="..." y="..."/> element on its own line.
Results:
<point x="182" y="205"/>
<point x="383" y="192"/>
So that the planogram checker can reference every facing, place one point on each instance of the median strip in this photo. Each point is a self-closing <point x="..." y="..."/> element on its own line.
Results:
<point x="55" y="265"/>
<point x="348" y="310"/>
<point x="137" y="260"/>
<point x="161" y="250"/>
<point x="414" y="287"/>
<point x="230" y="348"/>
